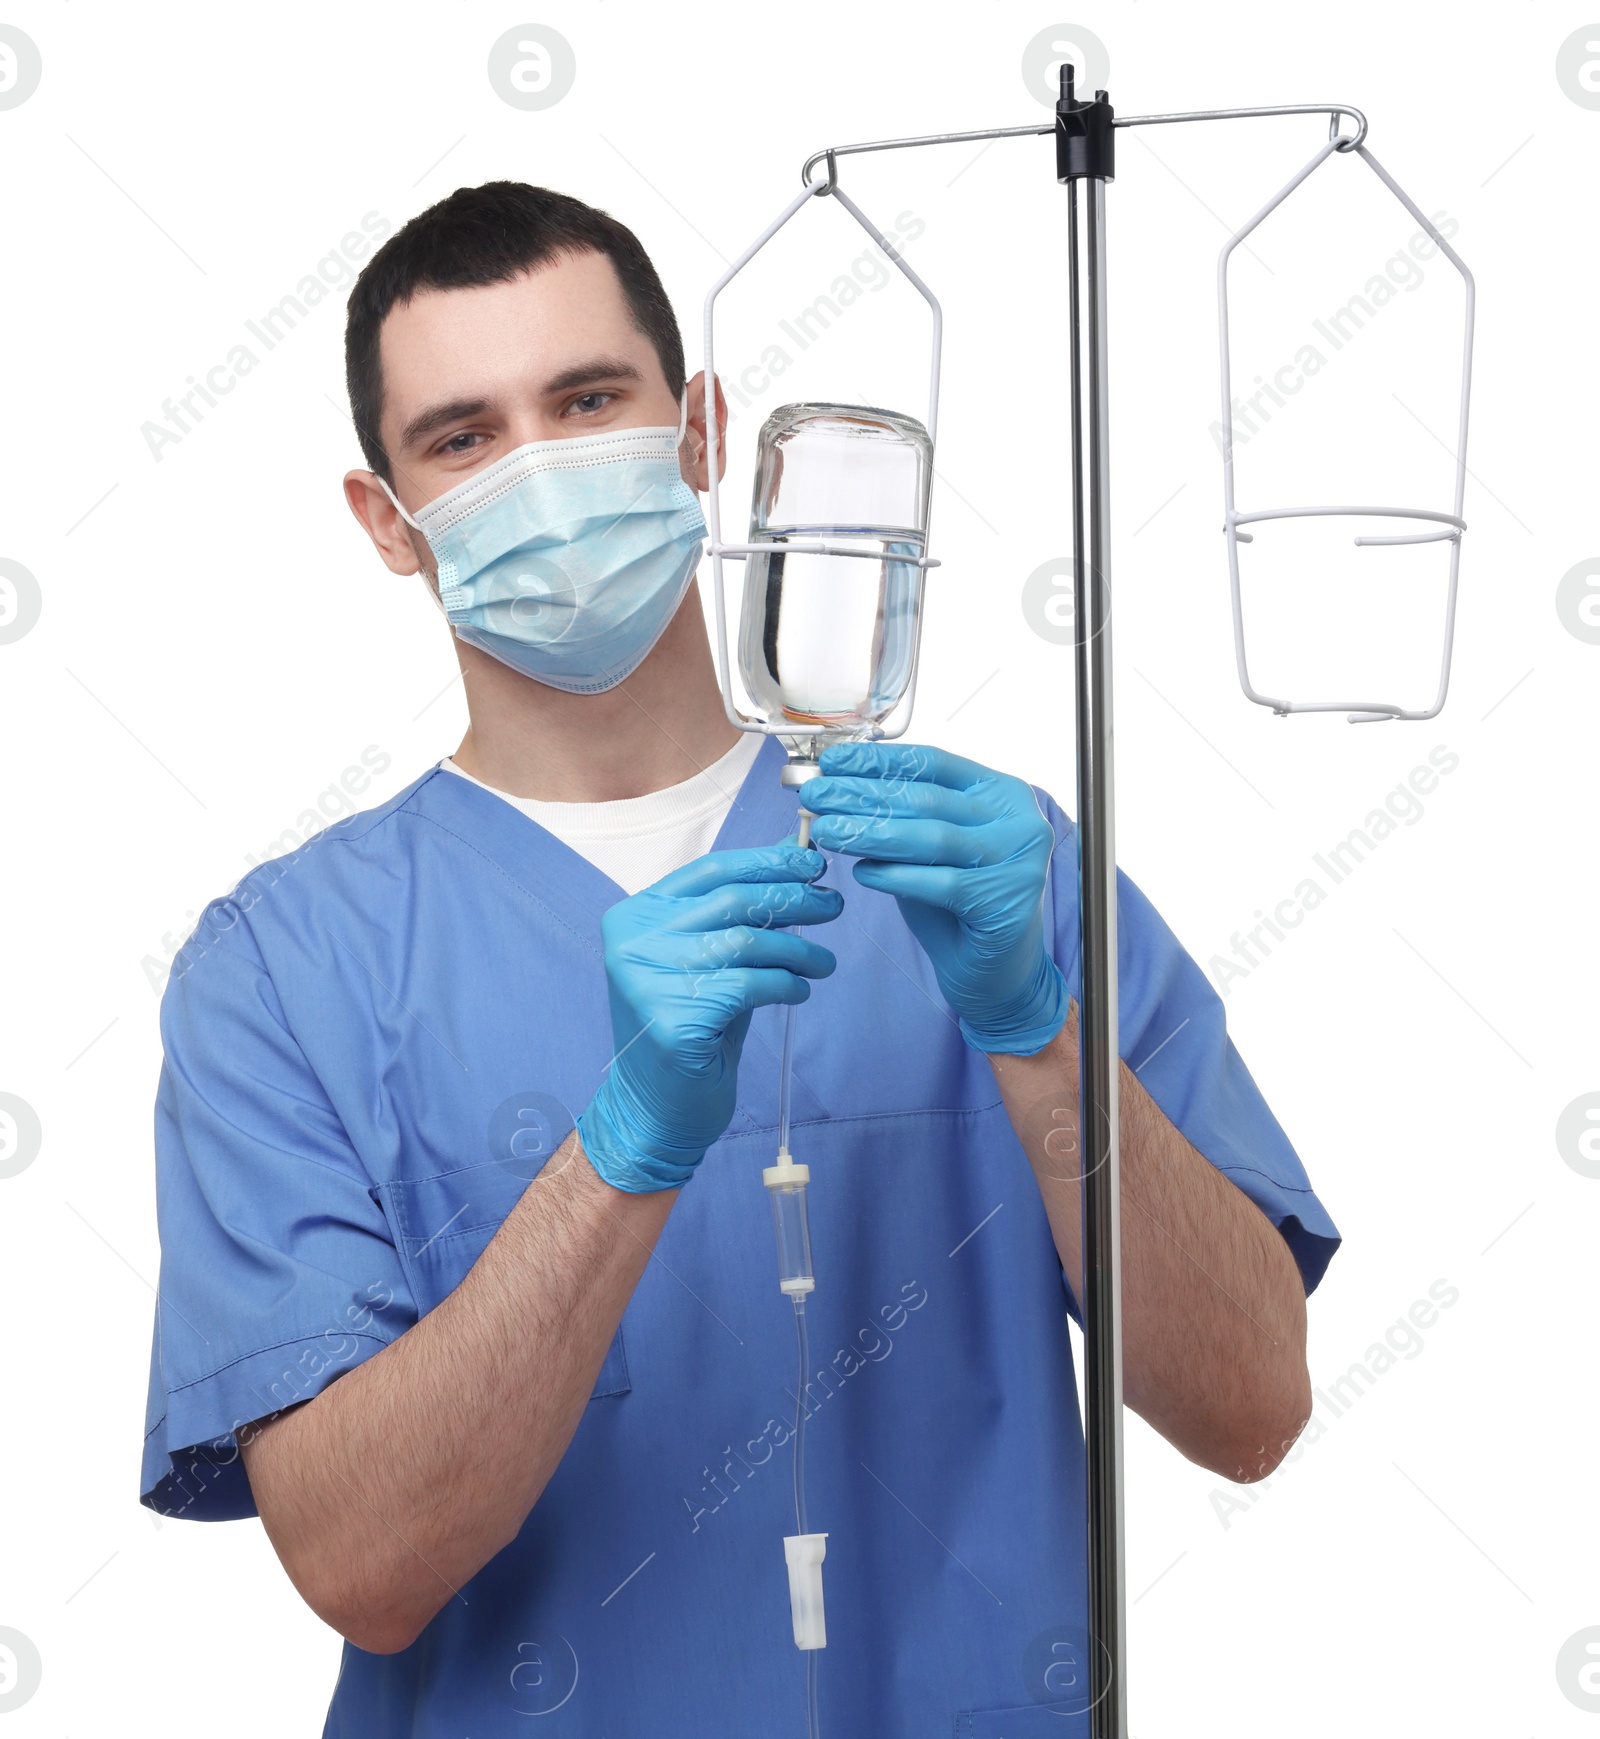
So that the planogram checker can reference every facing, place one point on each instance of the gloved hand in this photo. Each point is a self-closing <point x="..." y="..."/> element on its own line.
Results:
<point x="687" y="962"/>
<point x="964" y="851"/>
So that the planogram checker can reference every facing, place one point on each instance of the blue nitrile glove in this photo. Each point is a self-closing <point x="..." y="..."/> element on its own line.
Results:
<point x="964" y="851"/>
<point x="687" y="963"/>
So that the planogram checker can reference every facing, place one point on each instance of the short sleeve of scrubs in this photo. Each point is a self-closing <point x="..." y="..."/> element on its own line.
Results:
<point x="1173" y="1035"/>
<point x="278" y="1272"/>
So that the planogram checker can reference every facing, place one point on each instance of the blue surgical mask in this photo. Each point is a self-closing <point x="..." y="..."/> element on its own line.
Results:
<point x="567" y="559"/>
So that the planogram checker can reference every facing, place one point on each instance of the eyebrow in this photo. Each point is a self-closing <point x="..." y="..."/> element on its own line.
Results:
<point x="426" y="421"/>
<point x="434" y="417"/>
<point x="590" y="373"/>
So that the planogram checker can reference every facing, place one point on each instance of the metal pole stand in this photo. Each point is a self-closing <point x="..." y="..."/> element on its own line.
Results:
<point x="1085" y="161"/>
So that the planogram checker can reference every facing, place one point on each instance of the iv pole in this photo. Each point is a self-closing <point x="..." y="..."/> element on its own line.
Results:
<point x="1085" y="161"/>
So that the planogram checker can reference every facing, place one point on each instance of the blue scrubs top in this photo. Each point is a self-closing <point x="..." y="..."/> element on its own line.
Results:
<point x="371" y="1047"/>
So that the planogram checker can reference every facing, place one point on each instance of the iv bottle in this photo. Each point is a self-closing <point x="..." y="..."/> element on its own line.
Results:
<point x="827" y="640"/>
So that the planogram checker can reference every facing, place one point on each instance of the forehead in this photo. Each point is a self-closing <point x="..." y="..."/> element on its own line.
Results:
<point x="488" y="340"/>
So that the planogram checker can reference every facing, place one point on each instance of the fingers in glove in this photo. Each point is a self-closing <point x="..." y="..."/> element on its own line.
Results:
<point x="903" y="761"/>
<point x="758" y="987"/>
<point x="930" y="884"/>
<point x="762" y="905"/>
<point x="761" y="863"/>
<point x="901" y="841"/>
<point x="892" y="796"/>
<point x="738" y="948"/>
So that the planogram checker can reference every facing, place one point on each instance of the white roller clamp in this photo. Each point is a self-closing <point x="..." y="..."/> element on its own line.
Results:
<point x="804" y="1553"/>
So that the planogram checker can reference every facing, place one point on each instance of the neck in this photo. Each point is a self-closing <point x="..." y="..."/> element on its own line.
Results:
<point x="663" y="725"/>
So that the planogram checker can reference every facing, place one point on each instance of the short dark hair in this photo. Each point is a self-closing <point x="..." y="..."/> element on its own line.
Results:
<point x="489" y="235"/>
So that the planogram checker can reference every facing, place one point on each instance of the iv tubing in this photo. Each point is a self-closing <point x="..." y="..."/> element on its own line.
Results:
<point x="785" y="1071"/>
<point x="813" y="1717"/>
<point x="802" y="1341"/>
<point x="803" y="1350"/>
<point x="786" y="1063"/>
<point x="782" y="1189"/>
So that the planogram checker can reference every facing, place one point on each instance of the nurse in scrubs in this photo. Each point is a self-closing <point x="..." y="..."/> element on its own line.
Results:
<point x="466" y="1282"/>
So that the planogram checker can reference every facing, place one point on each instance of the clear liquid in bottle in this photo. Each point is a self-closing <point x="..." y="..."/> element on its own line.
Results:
<point x="827" y="641"/>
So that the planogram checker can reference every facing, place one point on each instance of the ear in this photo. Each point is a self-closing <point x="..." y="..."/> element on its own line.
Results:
<point x="692" y="454"/>
<point x="404" y="550"/>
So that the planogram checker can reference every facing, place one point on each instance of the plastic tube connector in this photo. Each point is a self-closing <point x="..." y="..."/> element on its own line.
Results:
<point x="800" y="769"/>
<point x="804" y="1554"/>
<point x="786" y="1185"/>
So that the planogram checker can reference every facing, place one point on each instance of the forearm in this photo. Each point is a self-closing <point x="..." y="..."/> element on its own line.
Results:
<point x="1214" y="1321"/>
<point x="400" y="1481"/>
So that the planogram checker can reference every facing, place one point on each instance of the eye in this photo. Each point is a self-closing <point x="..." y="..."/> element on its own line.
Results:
<point x="586" y="404"/>
<point x="462" y="443"/>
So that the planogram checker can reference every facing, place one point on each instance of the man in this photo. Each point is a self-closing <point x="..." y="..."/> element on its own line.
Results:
<point x="467" y="1283"/>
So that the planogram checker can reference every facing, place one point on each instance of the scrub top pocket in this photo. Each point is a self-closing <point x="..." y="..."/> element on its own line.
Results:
<point x="443" y="1224"/>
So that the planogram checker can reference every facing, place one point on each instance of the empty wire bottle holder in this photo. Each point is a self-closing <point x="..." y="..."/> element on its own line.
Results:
<point x="1448" y="527"/>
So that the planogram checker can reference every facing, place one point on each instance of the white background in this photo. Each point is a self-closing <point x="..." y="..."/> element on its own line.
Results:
<point x="218" y="644"/>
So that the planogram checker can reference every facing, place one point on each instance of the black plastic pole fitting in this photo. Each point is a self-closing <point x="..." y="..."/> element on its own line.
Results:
<point x="1085" y="137"/>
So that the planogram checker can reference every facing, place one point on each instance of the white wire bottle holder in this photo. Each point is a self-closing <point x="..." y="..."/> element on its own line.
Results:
<point x="720" y="551"/>
<point x="1451" y="525"/>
